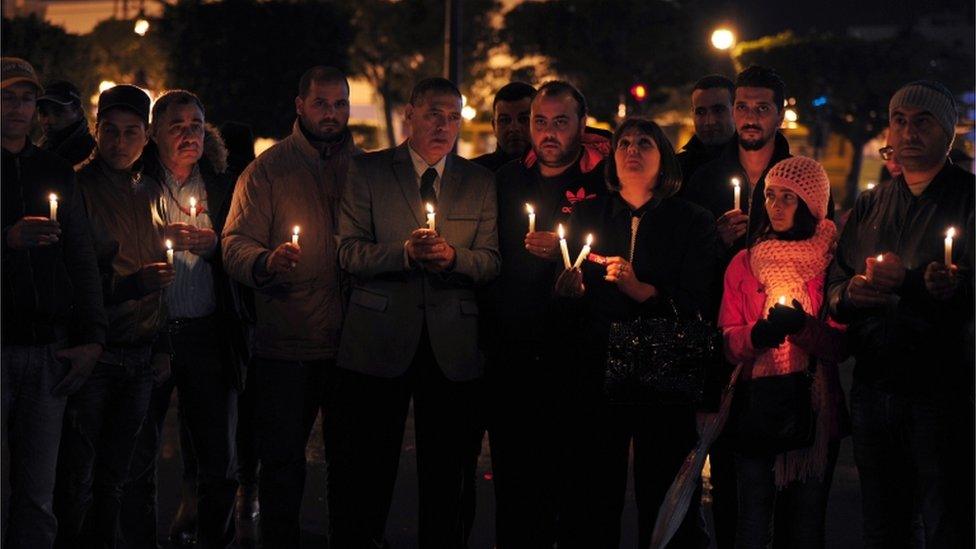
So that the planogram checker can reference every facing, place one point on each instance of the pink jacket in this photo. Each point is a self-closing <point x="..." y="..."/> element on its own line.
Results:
<point x="743" y="300"/>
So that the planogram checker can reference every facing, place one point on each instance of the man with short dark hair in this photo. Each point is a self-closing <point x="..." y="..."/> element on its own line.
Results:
<point x="186" y="162"/>
<point x="104" y="417"/>
<point x="527" y="378"/>
<point x="63" y="119"/>
<point x="908" y="302"/>
<point x="412" y="326"/>
<point x="711" y="109"/>
<point x="293" y="186"/>
<point x="510" y="121"/>
<point x="53" y="317"/>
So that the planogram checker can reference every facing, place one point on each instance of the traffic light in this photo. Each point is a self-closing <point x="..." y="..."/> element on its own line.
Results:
<point x="639" y="92"/>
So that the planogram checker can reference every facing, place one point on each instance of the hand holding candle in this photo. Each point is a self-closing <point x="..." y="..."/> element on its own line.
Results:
<point x="53" y="201"/>
<point x="531" y="211"/>
<point x="563" y="247"/>
<point x="584" y="252"/>
<point x="431" y="217"/>
<point x="788" y="318"/>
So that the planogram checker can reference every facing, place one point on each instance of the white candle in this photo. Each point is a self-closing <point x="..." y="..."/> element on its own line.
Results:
<point x="531" y="210"/>
<point x="193" y="211"/>
<point x="53" y="198"/>
<point x="584" y="252"/>
<point x="431" y="217"/>
<point x="294" y="235"/>
<point x="563" y="247"/>
<point x="737" y="192"/>
<point x="880" y="258"/>
<point x="948" y="246"/>
<point x="169" y="252"/>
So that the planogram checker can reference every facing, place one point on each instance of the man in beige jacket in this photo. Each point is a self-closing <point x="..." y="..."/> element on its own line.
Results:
<point x="294" y="186"/>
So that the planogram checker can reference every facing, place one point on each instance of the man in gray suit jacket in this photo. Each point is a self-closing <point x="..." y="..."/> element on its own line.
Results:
<point x="411" y="327"/>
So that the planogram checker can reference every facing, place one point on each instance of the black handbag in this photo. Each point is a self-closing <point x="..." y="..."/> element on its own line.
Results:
<point x="774" y="414"/>
<point x="655" y="360"/>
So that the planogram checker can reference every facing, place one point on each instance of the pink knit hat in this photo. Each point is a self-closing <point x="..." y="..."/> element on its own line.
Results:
<point x="807" y="178"/>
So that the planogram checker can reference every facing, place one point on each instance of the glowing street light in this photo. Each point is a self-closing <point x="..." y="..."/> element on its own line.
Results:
<point x="142" y="26"/>
<point x="468" y="112"/>
<point x="723" y="39"/>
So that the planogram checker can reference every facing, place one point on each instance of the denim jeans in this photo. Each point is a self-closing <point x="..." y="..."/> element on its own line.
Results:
<point x="101" y="426"/>
<point x="791" y="518"/>
<point x="208" y="413"/>
<point x="32" y="431"/>
<point x="903" y="450"/>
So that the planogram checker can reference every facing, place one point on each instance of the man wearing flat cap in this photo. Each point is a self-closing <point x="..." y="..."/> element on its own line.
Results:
<point x="63" y="119"/>
<point x="907" y="297"/>
<point x="53" y="319"/>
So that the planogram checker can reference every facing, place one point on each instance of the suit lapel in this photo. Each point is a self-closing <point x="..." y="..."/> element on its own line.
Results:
<point x="403" y="170"/>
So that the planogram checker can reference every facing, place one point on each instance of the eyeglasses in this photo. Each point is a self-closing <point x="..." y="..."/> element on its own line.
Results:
<point x="887" y="152"/>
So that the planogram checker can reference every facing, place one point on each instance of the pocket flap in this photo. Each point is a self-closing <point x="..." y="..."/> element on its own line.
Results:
<point x="463" y="216"/>
<point x="370" y="300"/>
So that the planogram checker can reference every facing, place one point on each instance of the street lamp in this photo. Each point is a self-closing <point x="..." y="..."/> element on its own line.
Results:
<point x="723" y="39"/>
<point x="142" y="26"/>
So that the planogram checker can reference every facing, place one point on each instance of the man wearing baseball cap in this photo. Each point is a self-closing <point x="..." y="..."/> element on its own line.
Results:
<point x="908" y="302"/>
<point x="106" y="413"/>
<point x="52" y="314"/>
<point x="63" y="119"/>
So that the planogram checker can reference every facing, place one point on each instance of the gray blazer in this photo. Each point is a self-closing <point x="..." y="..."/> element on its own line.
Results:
<point x="389" y="304"/>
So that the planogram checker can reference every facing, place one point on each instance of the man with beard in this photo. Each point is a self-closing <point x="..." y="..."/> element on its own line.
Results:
<point x="711" y="108"/>
<point x="527" y="379"/>
<point x="293" y="186"/>
<point x="510" y="120"/>
<point x="63" y="119"/>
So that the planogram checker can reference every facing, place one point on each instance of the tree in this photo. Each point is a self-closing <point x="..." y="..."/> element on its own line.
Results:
<point x="605" y="48"/>
<point x="846" y="83"/>
<point x="397" y="43"/>
<point x="244" y="58"/>
<point x="120" y="55"/>
<point x="54" y="53"/>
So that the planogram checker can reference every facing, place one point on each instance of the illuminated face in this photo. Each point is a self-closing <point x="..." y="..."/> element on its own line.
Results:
<point x="121" y="136"/>
<point x="324" y="111"/>
<point x="757" y="117"/>
<point x="17" y="107"/>
<point x="557" y="130"/>
<point x="179" y="135"/>
<point x="712" y="111"/>
<point x="920" y="142"/>
<point x="511" y="124"/>
<point x="434" y="125"/>
<point x="781" y="207"/>
<point x="638" y="161"/>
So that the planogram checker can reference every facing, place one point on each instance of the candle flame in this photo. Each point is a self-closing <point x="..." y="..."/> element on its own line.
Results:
<point x="53" y="197"/>
<point x="529" y="208"/>
<point x="562" y="233"/>
<point x="295" y="230"/>
<point x="735" y="181"/>
<point x="782" y="300"/>
<point x="169" y="244"/>
<point x="589" y="239"/>
<point x="430" y="208"/>
<point x="951" y="232"/>
<point x="193" y="201"/>
<point x="880" y="258"/>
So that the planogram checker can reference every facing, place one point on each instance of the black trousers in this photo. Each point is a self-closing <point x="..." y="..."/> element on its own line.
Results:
<point x="363" y="437"/>
<point x="291" y="395"/>
<point x="528" y="429"/>
<point x="208" y="413"/>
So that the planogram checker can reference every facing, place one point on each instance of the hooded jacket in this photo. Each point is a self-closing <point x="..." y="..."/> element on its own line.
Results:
<point x="298" y="314"/>
<point x="74" y="143"/>
<point x="53" y="291"/>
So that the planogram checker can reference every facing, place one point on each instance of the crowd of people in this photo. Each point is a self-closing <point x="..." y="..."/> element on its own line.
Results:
<point x="145" y="257"/>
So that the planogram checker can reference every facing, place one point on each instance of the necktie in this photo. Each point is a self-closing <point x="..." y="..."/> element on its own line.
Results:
<point x="427" y="193"/>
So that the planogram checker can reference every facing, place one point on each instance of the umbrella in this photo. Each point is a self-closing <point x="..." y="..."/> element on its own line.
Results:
<point x="675" y="505"/>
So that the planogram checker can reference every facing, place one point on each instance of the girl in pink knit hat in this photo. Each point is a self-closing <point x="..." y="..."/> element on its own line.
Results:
<point x="770" y="318"/>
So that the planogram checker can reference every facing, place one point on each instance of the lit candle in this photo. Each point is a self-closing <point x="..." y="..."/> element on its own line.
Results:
<point x="294" y="235"/>
<point x="193" y="211"/>
<point x="53" y="198"/>
<point x="169" y="252"/>
<point x="563" y="247"/>
<point x="948" y="246"/>
<point x="431" y="217"/>
<point x="880" y="258"/>
<point x="782" y="300"/>
<point x="584" y="252"/>
<point x="737" y="192"/>
<point x="531" y="210"/>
